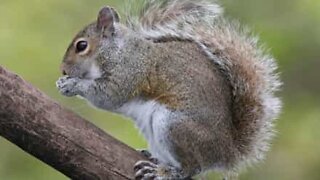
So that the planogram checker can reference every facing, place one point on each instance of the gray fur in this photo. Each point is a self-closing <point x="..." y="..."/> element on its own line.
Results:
<point x="207" y="81"/>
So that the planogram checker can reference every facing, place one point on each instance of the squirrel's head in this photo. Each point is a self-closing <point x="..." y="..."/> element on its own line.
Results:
<point x="80" y="60"/>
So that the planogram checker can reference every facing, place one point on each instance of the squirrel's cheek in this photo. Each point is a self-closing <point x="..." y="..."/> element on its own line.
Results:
<point x="94" y="72"/>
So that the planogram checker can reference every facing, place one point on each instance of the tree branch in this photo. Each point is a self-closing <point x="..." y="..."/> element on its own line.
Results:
<point x="58" y="137"/>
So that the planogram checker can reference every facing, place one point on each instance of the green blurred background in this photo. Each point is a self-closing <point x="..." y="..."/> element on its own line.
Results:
<point x="35" y="33"/>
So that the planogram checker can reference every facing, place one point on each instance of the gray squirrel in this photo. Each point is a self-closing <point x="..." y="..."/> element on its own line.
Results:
<point x="199" y="87"/>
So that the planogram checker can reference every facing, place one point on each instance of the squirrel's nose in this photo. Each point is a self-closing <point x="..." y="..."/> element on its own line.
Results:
<point x="62" y="68"/>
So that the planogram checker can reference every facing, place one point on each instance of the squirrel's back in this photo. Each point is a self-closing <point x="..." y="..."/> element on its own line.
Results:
<point x="249" y="71"/>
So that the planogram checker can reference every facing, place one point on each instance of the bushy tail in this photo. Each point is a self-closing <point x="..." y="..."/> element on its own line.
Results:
<point x="156" y="19"/>
<point x="250" y="71"/>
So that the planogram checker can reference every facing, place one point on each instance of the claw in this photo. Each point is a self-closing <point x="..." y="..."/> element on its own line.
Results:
<point x="148" y="155"/>
<point x="145" y="170"/>
<point x="145" y="153"/>
<point x="149" y="176"/>
<point x="141" y="164"/>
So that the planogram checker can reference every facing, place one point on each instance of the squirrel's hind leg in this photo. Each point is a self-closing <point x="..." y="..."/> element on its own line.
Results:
<point x="146" y="170"/>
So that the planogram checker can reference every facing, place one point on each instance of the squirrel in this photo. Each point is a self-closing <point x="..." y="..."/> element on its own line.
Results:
<point x="200" y="88"/>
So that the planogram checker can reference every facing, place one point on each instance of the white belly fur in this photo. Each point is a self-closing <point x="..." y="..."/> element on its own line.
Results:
<point x="152" y="119"/>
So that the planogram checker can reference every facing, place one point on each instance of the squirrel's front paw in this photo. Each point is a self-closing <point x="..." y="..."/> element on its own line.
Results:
<point x="66" y="85"/>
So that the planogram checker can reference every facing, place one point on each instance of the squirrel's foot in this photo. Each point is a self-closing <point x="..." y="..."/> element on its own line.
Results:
<point x="146" y="170"/>
<point x="66" y="85"/>
<point x="148" y="155"/>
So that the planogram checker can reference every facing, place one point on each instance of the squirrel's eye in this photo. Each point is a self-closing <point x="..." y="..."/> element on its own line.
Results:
<point x="81" y="46"/>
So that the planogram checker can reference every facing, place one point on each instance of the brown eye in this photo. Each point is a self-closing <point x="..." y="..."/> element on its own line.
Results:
<point x="81" y="46"/>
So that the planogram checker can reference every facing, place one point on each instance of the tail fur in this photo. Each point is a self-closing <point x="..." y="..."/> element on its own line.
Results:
<point x="159" y="19"/>
<point x="250" y="71"/>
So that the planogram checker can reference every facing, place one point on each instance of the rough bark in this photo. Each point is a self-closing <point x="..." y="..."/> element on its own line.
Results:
<point x="57" y="136"/>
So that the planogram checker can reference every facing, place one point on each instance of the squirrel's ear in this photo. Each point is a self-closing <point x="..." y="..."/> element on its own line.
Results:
<point x="106" y="19"/>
